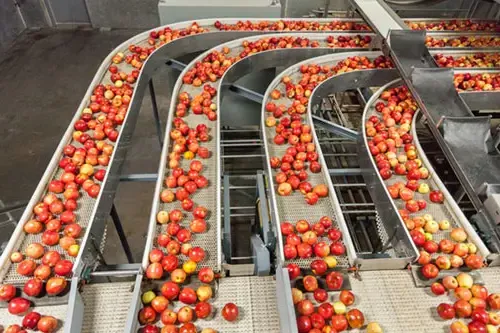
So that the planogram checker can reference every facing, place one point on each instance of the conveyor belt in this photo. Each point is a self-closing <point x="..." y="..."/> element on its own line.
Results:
<point x="106" y="306"/>
<point x="254" y="296"/>
<point x="57" y="311"/>
<point x="463" y="41"/>
<point x="293" y="208"/>
<point x="449" y="209"/>
<point x="391" y="299"/>
<point x="473" y="26"/>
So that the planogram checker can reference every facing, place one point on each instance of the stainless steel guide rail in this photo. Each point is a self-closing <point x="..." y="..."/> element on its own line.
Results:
<point x="292" y="208"/>
<point x="449" y="210"/>
<point x="392" y="230"/>
<point x="444" y="109"/>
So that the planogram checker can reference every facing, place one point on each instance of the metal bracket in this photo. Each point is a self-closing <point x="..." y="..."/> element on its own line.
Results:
<point x="226" y="239"/>
<point x="335" y="128"/>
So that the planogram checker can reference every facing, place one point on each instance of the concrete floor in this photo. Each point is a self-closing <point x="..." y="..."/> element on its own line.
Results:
<point x="43" y="79"/>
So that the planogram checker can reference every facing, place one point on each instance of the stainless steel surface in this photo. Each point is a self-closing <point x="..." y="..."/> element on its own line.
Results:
<point x="450" y="207"/>
<point x="286" y="309"/>
<point x="293" y="207"/>
<point x="446" y="112"/>
<point x="379" y="15"/>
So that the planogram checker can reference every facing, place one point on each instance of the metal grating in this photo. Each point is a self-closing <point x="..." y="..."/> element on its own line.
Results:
<point x="256" y="301"/>
<point x="57" y="311"/>
<point x="391" y="299"/>
<point x="293" y="208"/>
<point x="106" y="306"/>
<point x="204" y="197"/>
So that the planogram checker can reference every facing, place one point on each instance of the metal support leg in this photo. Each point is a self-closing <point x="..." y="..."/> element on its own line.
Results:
<point x="155" y="112"/>
<point x="325" y="11"/>
<point x="121" y="234"/>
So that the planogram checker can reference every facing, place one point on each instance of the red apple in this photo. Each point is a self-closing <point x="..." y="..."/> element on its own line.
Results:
<point x="446" y="311"/>
<point x="18" y="306"/>
<point x="7" y="292"/>
<point x="430" y="271"/>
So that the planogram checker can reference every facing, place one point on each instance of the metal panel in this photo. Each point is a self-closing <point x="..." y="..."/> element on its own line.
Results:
<point x="130" y="14"/>
<point x="11" y="24"/>
<point x="73" y="12"/>
<point x="379" y="15"/>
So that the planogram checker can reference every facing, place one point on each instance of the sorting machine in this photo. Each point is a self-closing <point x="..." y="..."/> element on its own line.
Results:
<point x="451" y="130"/>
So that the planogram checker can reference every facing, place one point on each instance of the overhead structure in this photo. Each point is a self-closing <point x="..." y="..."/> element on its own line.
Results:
<point x="333" y="203"/>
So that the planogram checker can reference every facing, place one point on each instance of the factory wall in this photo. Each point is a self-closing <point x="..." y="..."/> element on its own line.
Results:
<point x="143" y="14"/>
<point x="11" y="24"/>
<point x="135" y="14"/>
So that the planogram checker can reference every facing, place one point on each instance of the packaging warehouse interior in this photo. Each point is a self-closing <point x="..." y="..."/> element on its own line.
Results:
<point x="333" y="171"/>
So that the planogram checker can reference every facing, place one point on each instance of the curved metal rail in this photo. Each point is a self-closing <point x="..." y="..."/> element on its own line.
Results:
<point x="293" y="208"/>
<point x="448" y="210"/>
<point x="390" y="231"/>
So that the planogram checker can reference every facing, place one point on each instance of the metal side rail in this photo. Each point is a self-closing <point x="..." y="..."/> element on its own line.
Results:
<point x="393" y="230"/>
<point x="379" y="15"/>
<point x="452" y="124"/>
<point x="293" y="207"/>
<point x="448" y="210"/>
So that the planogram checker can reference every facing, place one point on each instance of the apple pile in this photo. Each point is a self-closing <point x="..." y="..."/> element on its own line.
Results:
<point x="290" y="25"/>
<point x="301" y="154"/>
<point x="390" y="144"/>
<point x="463" y="41"/>
<point x="455" y="25"/>
<point x="327" y="315"/>
<point x="349" y="41"/>
<point x="477" y="82"/>
<point x="20" y="306"/>
<point x="453" y="253"/>
<point x="469" y="61"/>
<point x="472" y="301"/>
<point x="305" y="241"/>
<point x="177" y="307"/>
<point x="200" y="104"/>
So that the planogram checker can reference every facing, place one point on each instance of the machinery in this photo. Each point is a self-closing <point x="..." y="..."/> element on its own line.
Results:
<point x="307" y="173"/>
